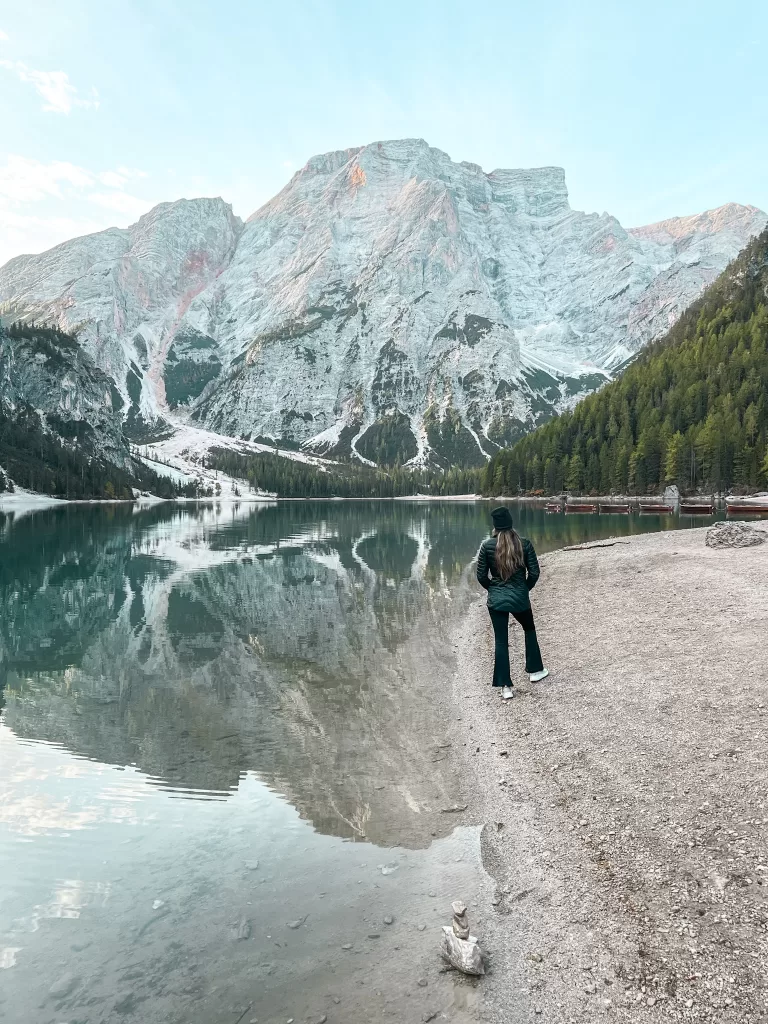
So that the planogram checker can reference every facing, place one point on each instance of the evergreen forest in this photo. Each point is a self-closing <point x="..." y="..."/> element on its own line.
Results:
<point x="39" y="461"/>
<point x="289" y="478"/>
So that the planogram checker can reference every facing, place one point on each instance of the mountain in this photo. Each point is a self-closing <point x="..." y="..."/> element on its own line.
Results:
<point x="388" y="303"/>
<point x="125" y="294"/>
<point x="48" y="372"/>
<point x="61" y="421"/>
<point x="692" y="410"/>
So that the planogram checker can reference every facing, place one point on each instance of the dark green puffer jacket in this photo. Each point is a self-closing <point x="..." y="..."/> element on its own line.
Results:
<point x="507" y="595"/>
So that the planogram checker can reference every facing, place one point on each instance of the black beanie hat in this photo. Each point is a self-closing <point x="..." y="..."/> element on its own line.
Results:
<point x="502" y="518"/>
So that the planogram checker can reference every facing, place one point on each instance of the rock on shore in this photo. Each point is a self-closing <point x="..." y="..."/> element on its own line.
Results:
<point x="734" y="535"/>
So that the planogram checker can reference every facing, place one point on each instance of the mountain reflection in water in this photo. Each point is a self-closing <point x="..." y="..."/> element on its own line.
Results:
<point x="198" y="643"/>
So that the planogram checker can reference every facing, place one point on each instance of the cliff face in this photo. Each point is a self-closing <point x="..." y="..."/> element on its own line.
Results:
<point x="49" y="376"/>
<point x="386" y="291"/>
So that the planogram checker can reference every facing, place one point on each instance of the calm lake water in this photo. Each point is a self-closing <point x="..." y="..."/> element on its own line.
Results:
<point x="224" y="762"/>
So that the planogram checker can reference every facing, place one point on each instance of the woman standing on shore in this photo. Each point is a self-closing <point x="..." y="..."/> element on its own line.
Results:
<point x="508" y="569"/>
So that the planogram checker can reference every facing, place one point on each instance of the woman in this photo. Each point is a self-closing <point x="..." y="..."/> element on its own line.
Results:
<point x="507" y="568"/>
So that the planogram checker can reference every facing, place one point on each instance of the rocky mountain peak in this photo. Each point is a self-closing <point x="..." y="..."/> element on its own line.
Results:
<point x="744" y="221"/>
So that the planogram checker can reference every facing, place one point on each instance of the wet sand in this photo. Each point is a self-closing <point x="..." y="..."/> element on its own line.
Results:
<point x="623" y="800"/>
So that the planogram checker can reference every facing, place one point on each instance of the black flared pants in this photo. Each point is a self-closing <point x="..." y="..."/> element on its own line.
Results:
<point x="533" y="662"/>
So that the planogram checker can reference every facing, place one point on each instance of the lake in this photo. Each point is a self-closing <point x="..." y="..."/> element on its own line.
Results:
<point x="227" y="773"/>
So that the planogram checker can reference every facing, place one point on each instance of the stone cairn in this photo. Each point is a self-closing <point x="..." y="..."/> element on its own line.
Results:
<point x="458" y="947"/>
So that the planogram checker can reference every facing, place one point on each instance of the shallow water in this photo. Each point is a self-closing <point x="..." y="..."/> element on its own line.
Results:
<point x="223" y="760"/>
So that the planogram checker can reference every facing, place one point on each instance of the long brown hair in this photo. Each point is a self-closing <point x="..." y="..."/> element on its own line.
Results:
<point x="509" y="552"/>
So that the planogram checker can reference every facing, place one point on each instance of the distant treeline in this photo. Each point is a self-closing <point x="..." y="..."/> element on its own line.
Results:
<point x="290" y="478"/>
<point x="39" y="461"/>
<point x="692" y="409"/>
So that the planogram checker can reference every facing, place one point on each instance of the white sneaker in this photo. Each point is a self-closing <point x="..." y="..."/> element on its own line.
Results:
<point x="507" y="693"/>
<point x="536" y="677"/>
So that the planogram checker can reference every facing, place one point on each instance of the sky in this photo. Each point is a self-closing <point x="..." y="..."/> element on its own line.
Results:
<point x="654" y="109"/>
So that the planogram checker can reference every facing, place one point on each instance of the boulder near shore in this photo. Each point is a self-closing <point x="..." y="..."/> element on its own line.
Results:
<point x="624" y="801"/>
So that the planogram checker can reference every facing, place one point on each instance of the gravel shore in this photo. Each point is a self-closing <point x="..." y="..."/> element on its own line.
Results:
<point x="624" y="799"/>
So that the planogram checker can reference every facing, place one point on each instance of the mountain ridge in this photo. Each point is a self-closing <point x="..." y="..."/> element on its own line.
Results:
<point x="384" y="291"/>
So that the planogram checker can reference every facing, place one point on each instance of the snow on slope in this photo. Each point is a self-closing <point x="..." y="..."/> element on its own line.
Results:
<point x="184" y="455"/>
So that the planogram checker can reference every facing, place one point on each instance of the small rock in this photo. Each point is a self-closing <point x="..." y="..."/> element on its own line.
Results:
<point x="336" y="1000"/>
<point x="422" y="927"/>
<point x="389" y="919"/>
<point x="429" y="1016"/>
<point x="347" y="946"/>
<point x="422" y="982"/>
<point x="388" y="869"/>
<point x="157" y="904"/>
<point x="242" y="930"/>
<point x="651" y="1001"/>
<point x="503" y="753"/>
<point x="432" y="893"/>
<point x="252" y="865"/>
<point x="456" y="808"/>
<point x="322" y="1019"/>
<point x="374" y="935"/>
<point x="297" y="924"/>
<point x="537" y="958"/>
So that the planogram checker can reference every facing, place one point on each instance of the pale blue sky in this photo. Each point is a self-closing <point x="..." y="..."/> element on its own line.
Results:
<point x="653" y="108"/>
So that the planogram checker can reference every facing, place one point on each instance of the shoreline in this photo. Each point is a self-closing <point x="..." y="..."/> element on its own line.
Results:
<point x="622" y="802"/>
<point x="32" y="500"/>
